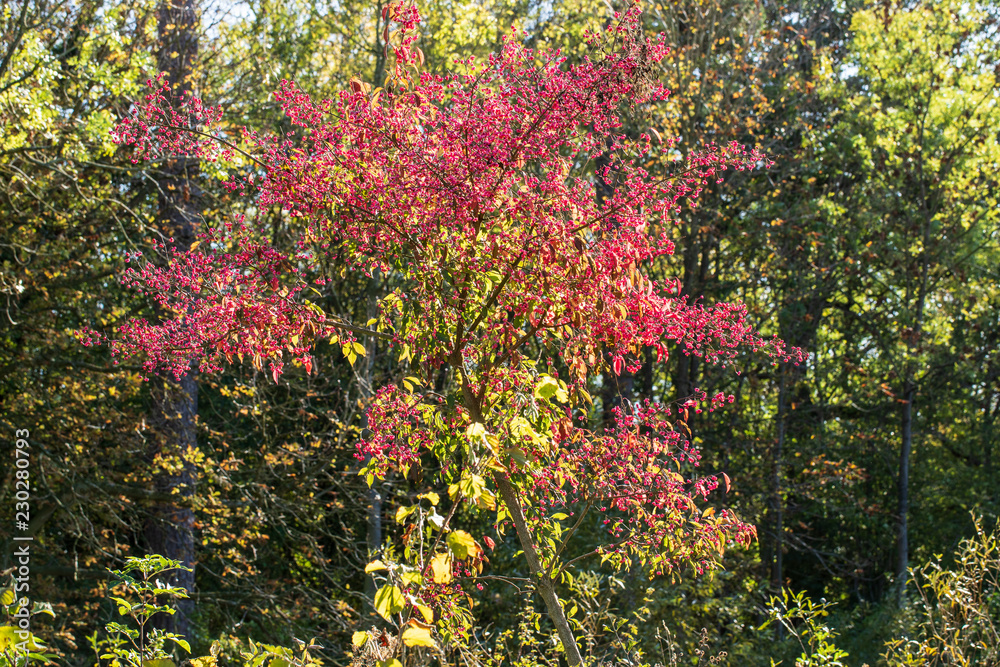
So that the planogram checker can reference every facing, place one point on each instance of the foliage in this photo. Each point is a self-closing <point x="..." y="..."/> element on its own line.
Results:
<point x="494" y="245"/>
<point x="859" y="103"/>
<point x="19" y="644"/>
<point x="958" y="608"/>
<point x="142" y="590"/>
<point x="803" y="619"/>
<point x="142" y="645"/>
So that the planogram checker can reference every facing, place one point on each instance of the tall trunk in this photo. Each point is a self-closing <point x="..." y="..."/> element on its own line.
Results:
<point x="615" y="390"/>
<point x="990" y="410"/>
<point x="169" y="528"/>
<point x="777" y="503"/>
<point x="910" y="392"/>
<point x="695" y="267"/>
<point x="906" y="446"/>
<point x="380" y="49"/>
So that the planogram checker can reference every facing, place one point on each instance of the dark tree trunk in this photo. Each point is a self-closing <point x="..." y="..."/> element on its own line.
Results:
<point x="906" y="447"/>
<point x="910" y="387"/>
<point x="170" y="527"/>
<point x="777" y="502"/>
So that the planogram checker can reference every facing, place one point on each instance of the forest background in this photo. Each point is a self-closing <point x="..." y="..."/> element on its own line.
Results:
<point x="872" y="244"/>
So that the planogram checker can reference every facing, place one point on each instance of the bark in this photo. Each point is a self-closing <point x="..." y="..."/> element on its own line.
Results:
<point x="777" y="503"/>
<point x="696" y="255"/>
<point x="906" y="446"/>
<point x="913" y="343"/>
<point x="169" y="528"/>
<point x="615" y="390"/>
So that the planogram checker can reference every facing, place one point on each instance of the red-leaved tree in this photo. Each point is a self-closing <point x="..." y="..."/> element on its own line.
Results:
<point x="469" y="194"/>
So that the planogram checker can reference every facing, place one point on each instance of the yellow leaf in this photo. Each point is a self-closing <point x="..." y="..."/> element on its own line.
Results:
<point x="7" y="637"/>
<point x="163" y="662"/>
<point x="417" y="636"/>
<point x="388" y="601"/>
<point x="403" y="512"/>
<point x="375" y="566"/>
<point x="476" y="432"/>
<point x="441" y="567"/>
<point x="463" y="545"/>
<point x="358" y="639"/>
<point x="426" y="612"/>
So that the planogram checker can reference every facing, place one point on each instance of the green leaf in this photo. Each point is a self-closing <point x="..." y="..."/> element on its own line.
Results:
<point x="42" y="608"/>
<point x="462" y="544"/>
<point x="472" y="486"/>
<point x="412" y="578"/>
<point x="547" y="387"/>
<point x="183" y="643"/>
<point x="388" y="601"/>
<point x="161" y="662"/>
<point x="476" y="432"/>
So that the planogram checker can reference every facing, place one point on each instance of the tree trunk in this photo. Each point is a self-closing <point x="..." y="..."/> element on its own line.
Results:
<point x="615" y="390"/>
<point x="906" y="446"/>
<point x="909" y="395"/>
<point x="777" y="503"/>
<point x="546" y="586"/>
<point x="169" y="529"/>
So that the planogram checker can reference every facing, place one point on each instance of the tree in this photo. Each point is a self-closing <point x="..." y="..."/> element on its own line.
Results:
<point x="507" y="275"/>
<point x="173" y="414"/>
<point x="920" y="122"/>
